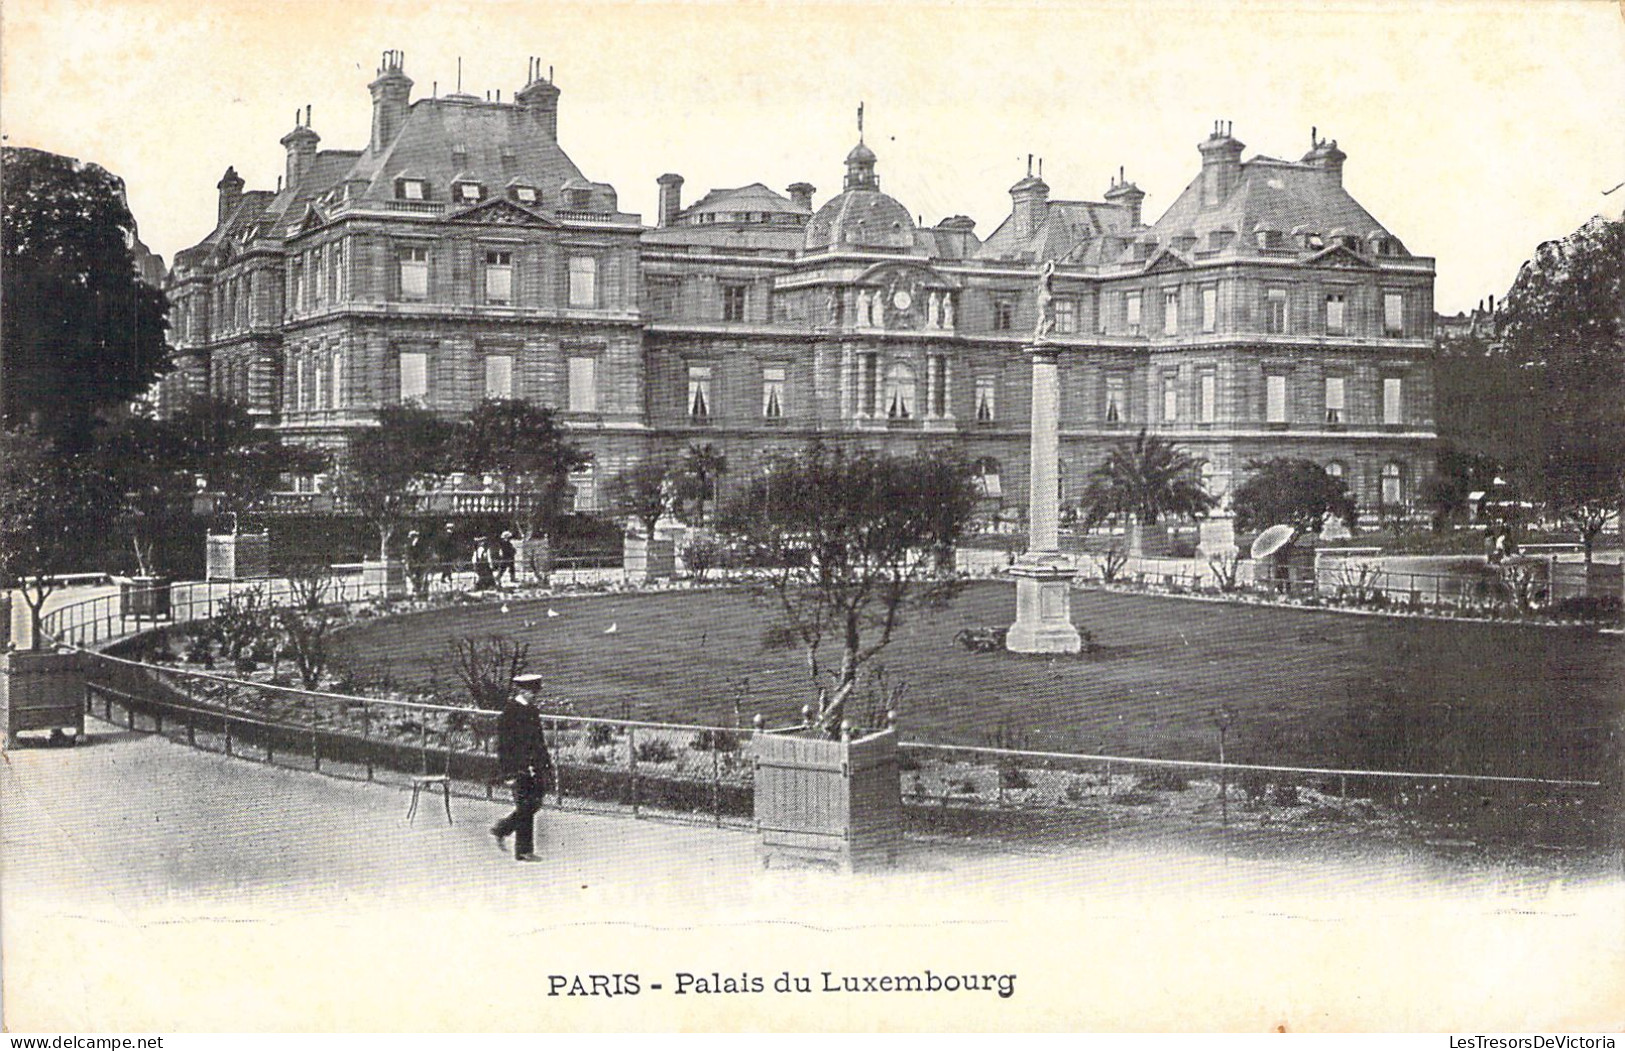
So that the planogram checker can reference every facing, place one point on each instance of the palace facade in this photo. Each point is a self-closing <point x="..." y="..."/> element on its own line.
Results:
<point x="461" y="255"/>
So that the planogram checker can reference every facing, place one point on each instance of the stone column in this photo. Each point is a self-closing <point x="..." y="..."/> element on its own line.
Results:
<point x="1043" y="576"/>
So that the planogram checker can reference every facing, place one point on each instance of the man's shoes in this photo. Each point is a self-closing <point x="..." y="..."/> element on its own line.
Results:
<point x="526" y="857"/>
<point x="502" y="840"/>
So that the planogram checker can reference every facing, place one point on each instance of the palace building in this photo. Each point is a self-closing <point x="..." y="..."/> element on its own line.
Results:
<point x="461" y="255"/>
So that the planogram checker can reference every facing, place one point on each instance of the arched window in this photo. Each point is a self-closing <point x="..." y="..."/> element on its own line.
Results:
<point x="900" y="391"/>
<point x="1336" y="469"/>
<point x="985" y="473"/>
<point x="1393" y="484"/>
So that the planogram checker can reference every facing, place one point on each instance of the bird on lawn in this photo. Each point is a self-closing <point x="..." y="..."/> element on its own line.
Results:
<point x="504" y="607"/>
<point x="552" y="612"/>
<point x="612" y="629"/>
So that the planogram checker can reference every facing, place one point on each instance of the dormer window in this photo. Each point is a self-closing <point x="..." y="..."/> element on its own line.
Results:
<point x="408" y="188"/>
<point x="1269" y="239"/>
<point x="580" y="199"/>
<point x="468" y="192"/>
<point x="526" y="194"/>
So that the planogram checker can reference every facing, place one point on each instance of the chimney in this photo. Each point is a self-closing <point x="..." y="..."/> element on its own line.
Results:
<point x="1126" y="195"/>
<point x="1029" y="202"/>
<point x="231" y="192"/>
<point x="671" y="198"/>
<point x="301" y="146"/>
<point x="1221" y="164"/>
<point x="540" y="99"/>
<point x="391" y="93"/>
<point x="801" y="194"/>
<point x="1325" y="155"/>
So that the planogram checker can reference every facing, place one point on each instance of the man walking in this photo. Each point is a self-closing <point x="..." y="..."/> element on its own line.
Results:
<point x="523" y="761"/>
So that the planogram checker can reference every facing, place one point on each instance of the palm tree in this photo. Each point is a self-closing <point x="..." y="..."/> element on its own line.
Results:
<point x="699" y="472"/>
<point x="1146" y="478"/>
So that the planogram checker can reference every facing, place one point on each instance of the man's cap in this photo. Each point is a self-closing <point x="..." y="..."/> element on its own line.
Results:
<point x="507" y="535"/>
<point x="527" y="679"/>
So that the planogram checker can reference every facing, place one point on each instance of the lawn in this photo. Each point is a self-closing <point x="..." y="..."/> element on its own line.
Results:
<point x="1305" y="688"/>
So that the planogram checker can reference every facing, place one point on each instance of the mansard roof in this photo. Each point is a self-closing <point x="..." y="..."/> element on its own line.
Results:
<point x="1271" y="194"/>
<point x="756" y="197"/>
<point x="1071" y="231"/>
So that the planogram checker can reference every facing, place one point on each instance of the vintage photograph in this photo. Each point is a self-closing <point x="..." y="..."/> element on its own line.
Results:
<point x="812" y="516"/>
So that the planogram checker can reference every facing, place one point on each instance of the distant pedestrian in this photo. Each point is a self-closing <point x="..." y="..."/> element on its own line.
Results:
<point x="485" y="564"/>
<point x="447" y="552"/>
<point x="418" y="558"/>
<point x="523" y="762"/>
<point x="506" y="555"/>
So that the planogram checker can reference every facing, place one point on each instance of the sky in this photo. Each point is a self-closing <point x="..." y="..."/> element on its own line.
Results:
<point x="1474" y="129"/>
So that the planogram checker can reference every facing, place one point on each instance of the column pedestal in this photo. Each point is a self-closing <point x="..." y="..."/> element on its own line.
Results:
<point x="1043" y="608"/>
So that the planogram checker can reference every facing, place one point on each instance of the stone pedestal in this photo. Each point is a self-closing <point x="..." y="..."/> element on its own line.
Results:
<point x="649" y="559"/>
<point x="1044" y="576"/>
<point x="384" y="579"/>
<point x="239" y="556"/>
<point x="1043" y="608"/>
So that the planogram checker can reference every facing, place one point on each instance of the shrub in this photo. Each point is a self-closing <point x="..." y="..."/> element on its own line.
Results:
<point x="1588" y="607"/>
<point x="600" y="735"/>
<point x="1161" y="779"/>
<point x="1285" y="795"/>
<point x="962" y="786"/>
<point x="714" y="741"/>
<point x="1012" y="776"/>
<point x="656" y="751"/>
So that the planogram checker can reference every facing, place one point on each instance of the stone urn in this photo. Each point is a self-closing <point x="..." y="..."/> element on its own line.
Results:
<point x="828" y="802"/>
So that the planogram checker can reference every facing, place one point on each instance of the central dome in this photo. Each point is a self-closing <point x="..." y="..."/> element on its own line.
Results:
<point x="862" y="216"/>
<point x="862" y="219"/>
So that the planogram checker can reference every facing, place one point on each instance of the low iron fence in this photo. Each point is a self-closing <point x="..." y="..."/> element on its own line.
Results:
<point x="706" y="773"/>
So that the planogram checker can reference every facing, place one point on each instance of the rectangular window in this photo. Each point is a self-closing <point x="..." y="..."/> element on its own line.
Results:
<point x="341" y="390"/>
<point x="1170" y="397"/>
<point x="1210" y="309"/>
<point x="583" y="281"/>
<point x="583" y="393"/>
<point x="499" y="278"/>
<point x="936" y="385"/>
<point x="1393" y="406"/>
<point x="1275" y="398"/>
<point x="1275" y="311"/>
<point x="1393" y="314"/>
<point x="412" y="189"/>
<point x="699" y="392"/>
<point x="1004" y="315"/>
<point x="868" y="382"/>
<point x="414" y="273"/>
<point x="1210" y="397"/>
<point x="773" y="378"/>
<point x="986" y="393"/>
<point x="1336" y="307"/>
<point x="1116" y="399"/>
<point x="1131" y="312"/>
<point x="498" y="376"/>
<point x="1334" y="399"/>
<point x="1066" y="316"/>
<point x="318" y="384"/>
<point x="1170" y="313"/>
<point x="733" y="302"/>
<point x="414" y="376"/>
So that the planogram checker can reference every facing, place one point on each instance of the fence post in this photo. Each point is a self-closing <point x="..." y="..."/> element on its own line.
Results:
<point x="366" y="736"/>
<point x="228" y="734"/>
<point x="632" y="762"/>
<point x="716" y="781"/>
<point x="315" y="751"/>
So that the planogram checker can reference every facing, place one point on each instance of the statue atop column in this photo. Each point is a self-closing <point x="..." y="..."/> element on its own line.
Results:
<point x="1045" y="325"/>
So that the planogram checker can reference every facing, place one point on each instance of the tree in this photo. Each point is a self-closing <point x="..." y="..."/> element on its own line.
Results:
<point x="159" y="464"/>
<point x="702" y="467"/>
<point x="1147" y="478"/>
<point x="386" y="467"/>
<point x="52" y="506"/>
<point x="1563" y="327"/>
<point x="1456" y="475"/>
<point x="643" y="492"/>
<point x="83" y="333"/>
<point x="525" y="449"/>
<point x="1298" y="493"/>
<point x="857" y="540"/>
